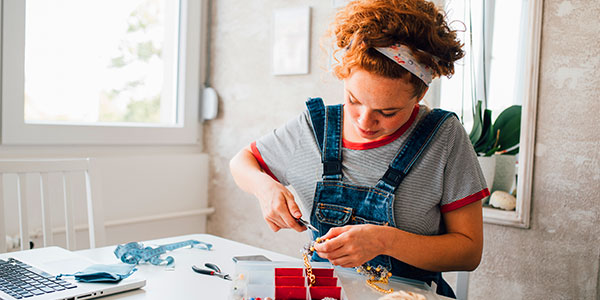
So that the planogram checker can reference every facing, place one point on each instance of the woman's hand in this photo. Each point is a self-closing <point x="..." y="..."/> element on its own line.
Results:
<point x="278" y="206"/>
<point x="352" y="245"/>
<point x="276" y="202"/>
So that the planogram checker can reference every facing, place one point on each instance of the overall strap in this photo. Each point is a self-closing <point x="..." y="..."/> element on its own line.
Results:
<point x="316" y="110"/>
<point x="332" y="144"/>
<point x="412" y="149"/>
<point x="327" y="128"/>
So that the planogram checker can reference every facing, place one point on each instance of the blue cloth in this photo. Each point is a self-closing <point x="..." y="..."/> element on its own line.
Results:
<point x="337" y="203"/>
<point x="135" y="253"/>
<point x="103" y="273"/>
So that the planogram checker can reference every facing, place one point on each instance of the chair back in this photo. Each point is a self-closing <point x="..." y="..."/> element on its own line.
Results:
<point x="62" y="183"/>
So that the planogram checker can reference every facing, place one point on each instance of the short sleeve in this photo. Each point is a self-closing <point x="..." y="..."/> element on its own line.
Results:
<point x="275" y="151"/>
<point x="463" y="179"/>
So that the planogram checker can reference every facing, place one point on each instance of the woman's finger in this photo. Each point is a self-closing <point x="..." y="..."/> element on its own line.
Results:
<point x="341" y="261"/>
<point x="286" y="213"/>
<point x="292" y="206"/>
<point x="336" y="231"/>
<point x="277" y="220"/>
<point x="273" y="226"/>
<point x="330" y="245"/>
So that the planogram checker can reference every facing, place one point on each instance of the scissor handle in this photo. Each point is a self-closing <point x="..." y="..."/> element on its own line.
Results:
<point x="213" y="267"/>
<point x="203" y="271"/>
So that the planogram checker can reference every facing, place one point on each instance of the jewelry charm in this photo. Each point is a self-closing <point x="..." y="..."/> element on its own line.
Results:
<point x="376" y="275"/>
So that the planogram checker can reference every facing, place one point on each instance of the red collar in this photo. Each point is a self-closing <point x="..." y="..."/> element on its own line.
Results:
<point x="386" y="139"/>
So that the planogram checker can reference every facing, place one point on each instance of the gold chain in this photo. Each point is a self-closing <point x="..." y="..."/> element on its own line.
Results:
<point x="311" y="276"/>
<point x="372" y="283"/>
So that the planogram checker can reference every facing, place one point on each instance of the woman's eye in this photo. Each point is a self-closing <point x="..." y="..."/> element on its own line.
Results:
<point x="388" y="115"/>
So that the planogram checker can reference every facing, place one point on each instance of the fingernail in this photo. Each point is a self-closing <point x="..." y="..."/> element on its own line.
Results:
<point x="297" y="214"/>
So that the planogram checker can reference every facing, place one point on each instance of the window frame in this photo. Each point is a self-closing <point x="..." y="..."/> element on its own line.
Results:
<point x="528" y="87"/>
<point x="192" y="61"/>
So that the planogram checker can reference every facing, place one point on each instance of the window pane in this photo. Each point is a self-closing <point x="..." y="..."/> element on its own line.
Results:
<point x="456" y="92"/>
<point x="113" y="61"/>
<point x="505" y="66"/>
<point x="507" y="61"/>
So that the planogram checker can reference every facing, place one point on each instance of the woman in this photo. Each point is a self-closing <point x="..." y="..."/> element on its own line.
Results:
<point x="387" y="181"/>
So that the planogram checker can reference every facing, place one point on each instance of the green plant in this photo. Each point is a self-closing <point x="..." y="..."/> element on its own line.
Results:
<point x="502" y="136"/>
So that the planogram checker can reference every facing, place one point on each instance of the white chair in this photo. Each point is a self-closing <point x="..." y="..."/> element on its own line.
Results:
<point x="64" y="174"/>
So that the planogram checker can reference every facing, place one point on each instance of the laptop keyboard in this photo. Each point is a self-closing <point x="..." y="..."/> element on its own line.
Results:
<point x="21" y="280"/>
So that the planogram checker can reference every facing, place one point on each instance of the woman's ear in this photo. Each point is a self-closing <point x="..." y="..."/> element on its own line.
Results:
<point x="423" y="95"/>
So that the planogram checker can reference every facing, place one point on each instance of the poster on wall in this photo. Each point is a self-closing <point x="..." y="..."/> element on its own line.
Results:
<point x="291" y="40"/>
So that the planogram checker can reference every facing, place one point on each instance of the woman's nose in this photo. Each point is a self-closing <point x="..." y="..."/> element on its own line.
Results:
<point x="365" y="119"/>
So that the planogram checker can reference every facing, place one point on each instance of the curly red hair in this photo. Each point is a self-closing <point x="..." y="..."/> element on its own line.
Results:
<point x="418" y="24"/>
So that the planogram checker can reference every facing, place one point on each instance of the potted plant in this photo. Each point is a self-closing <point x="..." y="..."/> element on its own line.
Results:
<point x="492" y="139"/>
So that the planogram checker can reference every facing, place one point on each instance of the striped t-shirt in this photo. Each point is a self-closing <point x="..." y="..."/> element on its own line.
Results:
<point x="447" y="176"/>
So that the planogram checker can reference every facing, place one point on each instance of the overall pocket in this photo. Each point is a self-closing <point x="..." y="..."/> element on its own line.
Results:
<point x="332" y="214"/>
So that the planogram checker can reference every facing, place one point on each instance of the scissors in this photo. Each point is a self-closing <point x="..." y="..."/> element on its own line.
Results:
<point x="305" y="223"/>
<point x="214" y="271"/>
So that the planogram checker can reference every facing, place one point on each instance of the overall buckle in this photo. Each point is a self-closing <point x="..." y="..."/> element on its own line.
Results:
<point x="332" y="167"/>
<point x="393" y="177"/>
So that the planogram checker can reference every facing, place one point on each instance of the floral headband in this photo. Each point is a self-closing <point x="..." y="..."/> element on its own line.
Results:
<point x="404" y="57"/>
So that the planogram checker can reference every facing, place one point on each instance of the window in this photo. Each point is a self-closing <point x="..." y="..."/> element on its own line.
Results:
<point x="101" y="72"/>
<point x="493" y="67"/>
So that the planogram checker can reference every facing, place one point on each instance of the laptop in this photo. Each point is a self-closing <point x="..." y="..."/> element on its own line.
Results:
<point x="48" y="262"/>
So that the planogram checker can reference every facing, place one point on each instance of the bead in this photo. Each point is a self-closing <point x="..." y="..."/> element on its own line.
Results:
<point x="369" y="268"/>
<point x="318" y="240"/>
<point x="312" y="248"/>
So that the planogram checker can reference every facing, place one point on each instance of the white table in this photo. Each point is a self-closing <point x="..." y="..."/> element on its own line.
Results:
<point x="181" y="282"/>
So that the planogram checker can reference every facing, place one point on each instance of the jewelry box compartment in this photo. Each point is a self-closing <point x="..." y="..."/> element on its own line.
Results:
<point x="293" y="283"/>
<point x="288" y="280"/>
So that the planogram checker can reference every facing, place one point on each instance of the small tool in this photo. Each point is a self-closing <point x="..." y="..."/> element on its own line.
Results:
<point x="305" y="223"/>
<point x="214" y="271"/>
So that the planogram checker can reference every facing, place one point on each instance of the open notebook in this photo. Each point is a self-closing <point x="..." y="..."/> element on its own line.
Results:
<point x="31" y="275"/>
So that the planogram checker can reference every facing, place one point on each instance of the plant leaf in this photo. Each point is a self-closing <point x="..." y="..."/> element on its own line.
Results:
<point x="509" y="124"/>
<point x="487" y="139"/>
<point x="477" y="124"/>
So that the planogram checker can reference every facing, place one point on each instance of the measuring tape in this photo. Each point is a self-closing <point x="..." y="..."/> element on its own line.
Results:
<point x="134" y="253"/>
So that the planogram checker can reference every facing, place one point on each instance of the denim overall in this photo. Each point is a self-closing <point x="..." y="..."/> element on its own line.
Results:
<point x="337" y="203"/>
